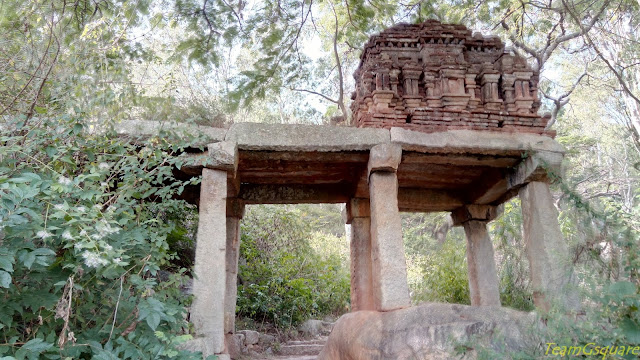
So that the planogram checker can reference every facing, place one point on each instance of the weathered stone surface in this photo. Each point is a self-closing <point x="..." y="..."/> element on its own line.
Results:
<point x="266" y="340"/>
<point x="223" y="155"/>
<point x="290" y="137"/>
<point x="146" y="128"/>
<point x="432" y="76"/>
<point x="483" y="279"/>
<point x="311" y="328"/>
<point x="427" y="332"/>
<point x="416" y="199"/>
<point x="294" y="193"/>
<point x="356" y="208"/>
<point x="545" y="248"/>
<point x="235" y="208"/>
<point x="207" y="311"/>
<point x="361" y="267"/>
<point x="475" y="212"/>
<point x="205" y="345"/>
<point x="476" y="142"/>
<point x="235" y="345"/>
<point x="388" y="260"/>
<point x="250" y="337"/>
<point x="384" y="157"/>
<point x="231" y="269"/>
<point x="538" y="166"/>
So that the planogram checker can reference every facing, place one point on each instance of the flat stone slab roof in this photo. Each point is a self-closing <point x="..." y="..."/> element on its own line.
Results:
<point x="283" y="163"/>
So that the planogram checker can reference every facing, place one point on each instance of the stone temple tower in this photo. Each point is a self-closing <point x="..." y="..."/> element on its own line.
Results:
<point x="434" y="77"/>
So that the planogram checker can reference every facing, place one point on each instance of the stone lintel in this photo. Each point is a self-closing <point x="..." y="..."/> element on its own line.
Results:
<point x="297" y="137"/>
<point x="235" y="208"/>
<point x="384" y="157"/>
<point x="223" y="156"/>
<point x="356" y="208"/>
<point x="295" y="193"/>
<point x="426" y="200"/>
<point x="484" y="213"/>
<point x="536" y="167"/>
<point x="147" y="128"/>
<point x="473" y="142"/>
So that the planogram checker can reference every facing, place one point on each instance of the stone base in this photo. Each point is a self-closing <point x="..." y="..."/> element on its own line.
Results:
<point x="204" y="345"/>
<point x="428" y="332"/>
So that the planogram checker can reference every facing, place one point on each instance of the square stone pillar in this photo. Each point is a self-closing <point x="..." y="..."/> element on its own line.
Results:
<point x="357" y="214"/>
<point x="484" y="288"/>
<point x="391" y="290"/>
<point x="235" y="212"/>
<point x="545" y="248"/>
<point x="209" y="283"/>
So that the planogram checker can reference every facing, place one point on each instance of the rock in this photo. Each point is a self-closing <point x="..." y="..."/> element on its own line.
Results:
<point x="235" y="345"/>
<point x="265" y="340"/>
<point x="311" y="328"/>
<point x="426" y="332"/>
<point x="250" y="337"/>
<point x="315" y="328"/>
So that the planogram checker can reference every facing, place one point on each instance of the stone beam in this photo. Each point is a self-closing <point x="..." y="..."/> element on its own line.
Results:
<point x="296" y="137"/>
<point x="475" y="212"/>
<point x="219" y="156"/>
<point x="473" y="142"/>
<point x="146" y="128"/>
<point x="506" y="185"/>
<point x="295" y="193"/>
<point x="426" y="200"/>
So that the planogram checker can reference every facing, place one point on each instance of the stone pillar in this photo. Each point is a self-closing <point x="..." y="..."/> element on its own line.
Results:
<point x="235" y="211"/>
<point x="484" y="287"/>
<point x="357" y="214"/>
<point x="210" y="280"/>
<point x="391" y="290"/>
<point x="209" y="283"/>
<point x="545" y="248"/>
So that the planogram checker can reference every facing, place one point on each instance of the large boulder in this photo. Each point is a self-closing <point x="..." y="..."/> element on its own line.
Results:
<point x="428" y="332"/>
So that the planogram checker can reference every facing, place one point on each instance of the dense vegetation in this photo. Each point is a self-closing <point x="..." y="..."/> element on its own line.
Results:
<point x="95" y="248"/>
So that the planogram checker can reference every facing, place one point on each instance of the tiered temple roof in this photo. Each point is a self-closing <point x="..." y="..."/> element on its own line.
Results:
<point x="433" y="77"/>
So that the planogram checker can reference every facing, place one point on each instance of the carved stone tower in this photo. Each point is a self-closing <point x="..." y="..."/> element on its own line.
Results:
<point x="433" y="77"/>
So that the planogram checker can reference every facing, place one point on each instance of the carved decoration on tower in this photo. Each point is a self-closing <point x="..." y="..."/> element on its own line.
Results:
<point x="433" y="77"/>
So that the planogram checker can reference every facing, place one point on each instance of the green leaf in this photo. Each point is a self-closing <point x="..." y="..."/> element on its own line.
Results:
<point x="631" y="330"/>
<point x="6" y="262"/>
<point x="33" y="348"/>
<point x="5" y="279"/>
<point x="622" y="288"/>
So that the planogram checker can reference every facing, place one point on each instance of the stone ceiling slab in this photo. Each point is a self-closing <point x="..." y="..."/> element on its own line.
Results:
<point x="295" y="137"/>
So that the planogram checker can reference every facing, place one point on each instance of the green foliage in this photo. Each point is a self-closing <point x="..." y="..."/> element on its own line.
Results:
<point x="283" y="279"/>
<point x="84" y="226"/>
<point x="444" y="274"/>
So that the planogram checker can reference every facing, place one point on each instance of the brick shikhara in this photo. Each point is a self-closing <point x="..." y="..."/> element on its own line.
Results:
<point x="433" y="77"/>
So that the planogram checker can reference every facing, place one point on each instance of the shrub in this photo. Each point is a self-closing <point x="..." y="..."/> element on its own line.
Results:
<point x="282" y="279"/>
<point x="84" y="225"/>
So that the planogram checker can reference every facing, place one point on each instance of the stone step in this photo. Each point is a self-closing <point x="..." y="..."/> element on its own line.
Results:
<point x="319" y="341"/>
<point x="300" y="350"/>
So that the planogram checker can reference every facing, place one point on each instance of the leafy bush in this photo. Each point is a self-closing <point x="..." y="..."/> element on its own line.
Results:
<point x="282" y="279"/>
<point x="444" y="274"/>
<point x="84" y="225"/>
